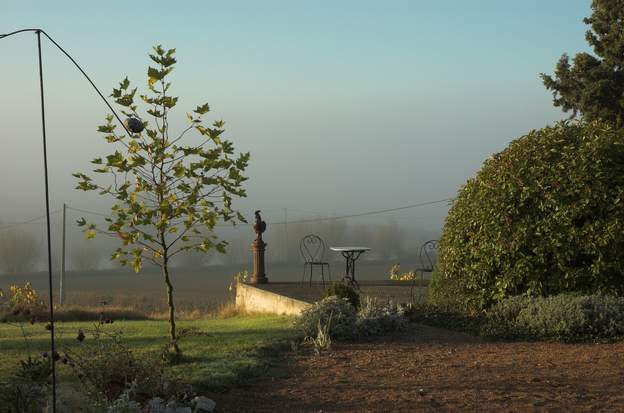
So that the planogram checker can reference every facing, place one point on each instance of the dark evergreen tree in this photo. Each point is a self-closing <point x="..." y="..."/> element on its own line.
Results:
<point x="593" y="86"/>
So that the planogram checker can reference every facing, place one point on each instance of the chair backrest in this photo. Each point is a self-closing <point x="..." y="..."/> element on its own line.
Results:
<point x="312" y="248"/>
<point x="428" y="255"/>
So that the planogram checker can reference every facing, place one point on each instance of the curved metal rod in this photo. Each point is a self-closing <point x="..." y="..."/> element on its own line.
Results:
<point x="38" y="32"/>
<point x="77" y="66"/>
<point x="18" y="31"/>
<point x="90" y="81"/>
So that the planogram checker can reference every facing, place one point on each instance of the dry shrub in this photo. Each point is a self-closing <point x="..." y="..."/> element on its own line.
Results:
<point x="154" y="305"/>
<point x="229" y="309"/>
<point x="82" y="313"/>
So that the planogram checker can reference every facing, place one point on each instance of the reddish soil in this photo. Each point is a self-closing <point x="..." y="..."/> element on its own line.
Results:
<point x="434" y="370"/>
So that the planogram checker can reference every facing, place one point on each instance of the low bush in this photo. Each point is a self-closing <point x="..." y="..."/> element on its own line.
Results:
<point x="107" y="368"/>
<point x="27" y="389"/>
<point x="343" y="318"/>
<point x="375" y="318"/>
<point x="501" y="319"/>
<point x="562" y="317"/>
<point x="340" y="321"/>
<point x="343" y="290"/>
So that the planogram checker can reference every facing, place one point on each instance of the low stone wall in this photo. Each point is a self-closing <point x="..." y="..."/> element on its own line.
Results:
<point x="255" y="299"/>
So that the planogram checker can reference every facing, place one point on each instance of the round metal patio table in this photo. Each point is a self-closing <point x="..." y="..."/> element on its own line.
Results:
<point x="351" y="254"/>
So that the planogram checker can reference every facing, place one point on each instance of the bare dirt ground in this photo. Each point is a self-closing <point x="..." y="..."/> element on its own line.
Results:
<point x="434" y="370"/>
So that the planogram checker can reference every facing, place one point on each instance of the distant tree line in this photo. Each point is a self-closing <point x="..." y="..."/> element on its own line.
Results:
<point x="22" y="250"/>
<point x="388" y="241"/>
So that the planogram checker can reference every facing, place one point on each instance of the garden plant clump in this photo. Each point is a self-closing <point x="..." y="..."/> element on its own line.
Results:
<point x="543" y="217"/>
<point x="27" y="389"/>
<point x="322" y="341"/>
<point x="395" y="274"/>
<point x="564" y="317"/>
<point x="343" y="318"/>
<point x="22" y="303"/>
<point x="343" y="290"/>
<point x="107" y="367"/>
<point x="346" y="323"/>
<point x="375" y="318"/>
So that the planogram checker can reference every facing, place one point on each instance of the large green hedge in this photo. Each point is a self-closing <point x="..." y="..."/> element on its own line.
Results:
<point x="544" y="216"/>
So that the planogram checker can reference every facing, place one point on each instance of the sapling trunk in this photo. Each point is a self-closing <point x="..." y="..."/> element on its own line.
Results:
<point x="172" y="325"/>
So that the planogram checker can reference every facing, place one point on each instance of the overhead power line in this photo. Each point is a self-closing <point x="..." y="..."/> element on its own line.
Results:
<point x="362" y="214"/>
<point x="300" y="221"/>
<point x="334" y="218"/>
<point x="86" y="211"/>
<point x="30" y="221"/>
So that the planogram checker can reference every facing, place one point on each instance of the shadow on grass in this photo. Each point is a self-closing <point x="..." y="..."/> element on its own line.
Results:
<point x="212" y="359"/>
<point x="155" y="339"/>
<point x="77" y="314"/>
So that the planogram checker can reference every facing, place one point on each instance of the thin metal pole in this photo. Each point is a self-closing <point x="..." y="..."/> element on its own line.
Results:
<point x="47" y="202"/>
<point x="286" y="232"/>
<point x="62" y="278"/>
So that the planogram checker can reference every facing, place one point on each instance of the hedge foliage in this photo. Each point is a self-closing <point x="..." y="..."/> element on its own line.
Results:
<point x="564" y="317"/>
<point x="542" y="217"/>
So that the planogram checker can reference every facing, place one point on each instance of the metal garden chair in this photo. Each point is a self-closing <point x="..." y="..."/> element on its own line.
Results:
<point x="428" y="257"/>
<point x="312" y="249"/>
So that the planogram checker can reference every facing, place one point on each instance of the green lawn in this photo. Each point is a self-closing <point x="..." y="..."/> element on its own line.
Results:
<point x="220" y="352"/>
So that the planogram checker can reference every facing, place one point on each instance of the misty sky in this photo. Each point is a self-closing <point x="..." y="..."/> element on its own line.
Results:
<point x="345" y="106"/>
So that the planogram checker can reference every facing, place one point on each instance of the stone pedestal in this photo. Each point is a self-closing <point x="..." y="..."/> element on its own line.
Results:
<point x="259" y="276"/>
